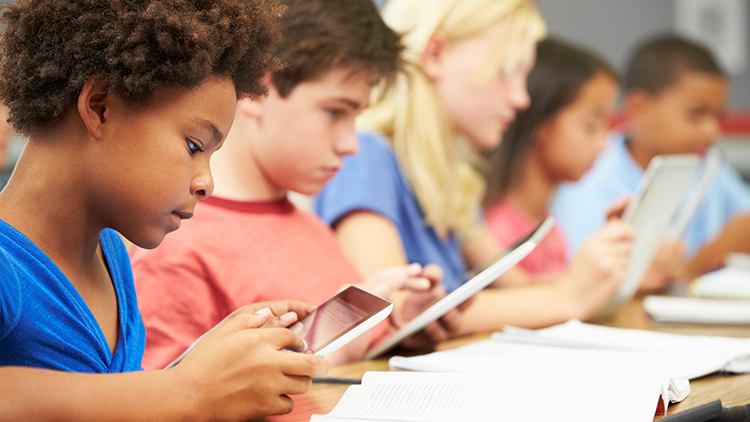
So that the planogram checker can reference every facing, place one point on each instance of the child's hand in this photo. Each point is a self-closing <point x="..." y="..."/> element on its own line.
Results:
<point x="410" y="277"/>
<point x="617" y="207"/>
<point x="409" y="304"/>
<point x="238" y="372"/>
<point x="666" y="267"/>
<point x="283" y="312"/>
<point x="598" y="269"/>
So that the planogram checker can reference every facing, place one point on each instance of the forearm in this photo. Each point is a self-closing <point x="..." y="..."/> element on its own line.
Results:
<point x="30" y="394"/>
<point x="734" y="238"/>
<point x="533" y="306"/>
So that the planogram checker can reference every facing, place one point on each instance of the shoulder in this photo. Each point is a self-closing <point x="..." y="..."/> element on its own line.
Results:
<point x="375" y="151"/>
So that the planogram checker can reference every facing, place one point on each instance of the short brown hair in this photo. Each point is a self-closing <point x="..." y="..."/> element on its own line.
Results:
<point x="50" y="48"/>
<point x="318" y="35"/>
<point x="658" y="62"/>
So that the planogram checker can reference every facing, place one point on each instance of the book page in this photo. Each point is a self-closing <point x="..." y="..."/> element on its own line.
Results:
<point x="431" y="397"/>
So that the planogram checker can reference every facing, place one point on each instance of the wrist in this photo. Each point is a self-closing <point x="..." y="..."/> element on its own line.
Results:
<point x="182" y="397"/>
<point x="569" y="303"/>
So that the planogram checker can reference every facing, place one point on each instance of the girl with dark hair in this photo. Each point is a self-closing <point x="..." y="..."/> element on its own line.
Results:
<point x="557" y="139"/>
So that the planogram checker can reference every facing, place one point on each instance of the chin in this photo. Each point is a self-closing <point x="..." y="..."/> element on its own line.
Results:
<point x="150" y="242"/>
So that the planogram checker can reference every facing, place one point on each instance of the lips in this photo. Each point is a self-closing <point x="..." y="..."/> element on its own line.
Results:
<point x="330" y="171"/>
<point x="183" y="215"/>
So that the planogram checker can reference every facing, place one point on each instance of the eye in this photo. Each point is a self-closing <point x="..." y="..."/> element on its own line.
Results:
<point x="335" y="112"/>
<point x="193" y="147"/>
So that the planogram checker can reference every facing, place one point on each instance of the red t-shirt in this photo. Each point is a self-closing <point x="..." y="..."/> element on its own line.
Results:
<point x="509" y="224"/>
<point x="228" y="255"/>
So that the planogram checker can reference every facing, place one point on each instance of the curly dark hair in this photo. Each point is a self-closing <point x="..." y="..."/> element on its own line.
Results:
<point x="319" y="35"/>
<point x="50" y="48"/>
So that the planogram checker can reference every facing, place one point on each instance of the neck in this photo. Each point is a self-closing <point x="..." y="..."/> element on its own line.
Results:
<point x="236" y="171"/>
<point x="534" y="189"/>
<point x="50" y="173"/>
<point x="640" y="153"/>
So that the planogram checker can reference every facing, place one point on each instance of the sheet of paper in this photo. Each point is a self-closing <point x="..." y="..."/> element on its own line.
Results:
<point x="437" y="397"/>
<point x="576" y="348"/>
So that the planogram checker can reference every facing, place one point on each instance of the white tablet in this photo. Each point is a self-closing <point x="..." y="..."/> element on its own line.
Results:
<point x="340" y="320"/>
<point x="697" y="190"/>
<point x="649" y="213"/>
<point x="509" y="258"/>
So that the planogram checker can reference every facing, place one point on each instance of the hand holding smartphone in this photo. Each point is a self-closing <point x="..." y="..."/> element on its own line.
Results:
<point x="340" y="320"/>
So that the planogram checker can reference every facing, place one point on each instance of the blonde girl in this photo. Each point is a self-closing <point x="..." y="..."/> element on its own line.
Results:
<point x="413" y="192"/>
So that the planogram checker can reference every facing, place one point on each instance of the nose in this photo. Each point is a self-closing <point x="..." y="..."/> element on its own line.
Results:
<point x="202" y="185"/>
<point x="346" y="140"/>
<point x="601" y="142"/>
<point x="519" y="97"/>
<point x="711" y="128"/>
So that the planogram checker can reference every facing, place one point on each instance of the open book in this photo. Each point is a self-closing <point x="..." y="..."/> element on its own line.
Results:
<point x="581" y="347"/>
<point x="450" y="397"/>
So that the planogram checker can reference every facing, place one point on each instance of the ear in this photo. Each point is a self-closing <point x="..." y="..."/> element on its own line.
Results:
<point x="92" y="105"/>
<point x="434" y="55"/>
<point x="250" y="109"/>
<point x="636" y="104"/>
<point x="253" y="109"/>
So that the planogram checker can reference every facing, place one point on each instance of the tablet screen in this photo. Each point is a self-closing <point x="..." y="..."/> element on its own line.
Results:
<point x="337" y="316"/>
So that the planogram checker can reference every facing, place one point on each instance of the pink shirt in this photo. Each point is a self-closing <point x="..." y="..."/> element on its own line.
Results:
<point x="508" y="224"/>
<point x="229" y="255"/>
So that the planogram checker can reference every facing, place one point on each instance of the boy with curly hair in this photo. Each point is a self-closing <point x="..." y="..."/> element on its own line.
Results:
<point x="123" y="103"/>
<point x="248" y="242"/>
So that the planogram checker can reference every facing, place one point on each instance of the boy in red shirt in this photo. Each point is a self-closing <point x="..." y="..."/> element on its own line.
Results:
<point x="248" y="242"/>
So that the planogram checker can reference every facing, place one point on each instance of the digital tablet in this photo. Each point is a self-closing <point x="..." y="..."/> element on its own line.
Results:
<point x="507" y="260"/>
<point x="697" y="190"/>
<point x="649" y="213"/>
<point x="340" y="320"/>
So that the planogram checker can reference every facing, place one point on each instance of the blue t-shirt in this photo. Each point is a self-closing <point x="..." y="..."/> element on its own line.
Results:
<point x="371" y="180"/>
<point x="580" y="206"/>
<point x="45" y="323"/>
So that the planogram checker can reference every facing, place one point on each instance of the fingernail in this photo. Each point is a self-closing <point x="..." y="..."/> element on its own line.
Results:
<point x="263" y="311"/>
<point x="288" y="317"/>
<point x="304" y="345"/>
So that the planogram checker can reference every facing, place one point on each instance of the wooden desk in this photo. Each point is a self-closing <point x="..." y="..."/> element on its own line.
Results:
<point x="732" y="390"/>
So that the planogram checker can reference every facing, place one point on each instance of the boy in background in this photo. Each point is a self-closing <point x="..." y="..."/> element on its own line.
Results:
<point x="675" y="94"/>
<point x="123" y="103"/>
<point x="248" y="242"/>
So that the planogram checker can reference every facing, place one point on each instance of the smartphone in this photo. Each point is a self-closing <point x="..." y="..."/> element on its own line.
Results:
<point x="340" y="320"/>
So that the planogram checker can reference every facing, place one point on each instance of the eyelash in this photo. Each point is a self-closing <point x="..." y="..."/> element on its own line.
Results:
<point x="193" y="147"/>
